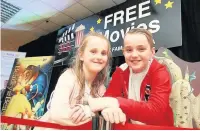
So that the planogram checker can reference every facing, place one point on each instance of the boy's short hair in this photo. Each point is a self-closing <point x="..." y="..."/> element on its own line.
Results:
<point x="145" y="32"/>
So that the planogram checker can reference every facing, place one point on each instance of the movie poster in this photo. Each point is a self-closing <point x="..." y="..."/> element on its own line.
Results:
<point x="27" y="89"/>
<point x="7" y="61"/>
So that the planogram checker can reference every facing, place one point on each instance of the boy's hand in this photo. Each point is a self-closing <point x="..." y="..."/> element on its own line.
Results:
<point x="114" y="115"/>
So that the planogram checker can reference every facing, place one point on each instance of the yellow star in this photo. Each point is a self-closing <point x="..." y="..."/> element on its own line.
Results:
<point x="92" y="28"/>
<point x="169" y="4"/>
<point x="157" y="2"/>
<point x="99" y="21"/>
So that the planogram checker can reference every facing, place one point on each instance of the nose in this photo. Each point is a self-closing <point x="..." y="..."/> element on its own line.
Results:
<point x="99" y="56"/>
<point x="134" y="54"/>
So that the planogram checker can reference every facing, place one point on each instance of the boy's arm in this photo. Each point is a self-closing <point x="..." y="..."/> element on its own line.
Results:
<point x="153" y="110"/>
<point x="115" y="86"/>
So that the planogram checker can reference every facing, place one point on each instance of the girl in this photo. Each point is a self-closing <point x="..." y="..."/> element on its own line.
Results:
<point x="84" y="79"/>
<point x="140" y="87"/>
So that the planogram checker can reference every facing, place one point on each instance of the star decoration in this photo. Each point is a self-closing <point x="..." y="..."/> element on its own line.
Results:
<point x="99" y="21"/>
<point x="169" y="4"/>
<point x="92" y="28"/>
<point x="192" y="77"/>
<point x="157" y="2"/>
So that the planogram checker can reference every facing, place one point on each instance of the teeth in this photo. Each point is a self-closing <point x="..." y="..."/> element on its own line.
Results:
<point x="135" y="61"/>
<point x="97" y="63"/>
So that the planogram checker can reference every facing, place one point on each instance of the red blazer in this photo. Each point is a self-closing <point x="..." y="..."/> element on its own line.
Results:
<point x="153" y="109"/>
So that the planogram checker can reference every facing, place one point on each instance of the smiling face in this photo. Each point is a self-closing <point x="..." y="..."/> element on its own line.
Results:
<point x="137" y="51"/>
<point x="95" y="54"/>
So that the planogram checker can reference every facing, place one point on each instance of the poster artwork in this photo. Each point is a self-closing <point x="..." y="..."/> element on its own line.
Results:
<point x="27" y="89"/>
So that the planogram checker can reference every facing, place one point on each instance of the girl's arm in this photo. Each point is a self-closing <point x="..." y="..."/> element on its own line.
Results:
<point x="60" y="108"/>
<point x="86" y="107"/>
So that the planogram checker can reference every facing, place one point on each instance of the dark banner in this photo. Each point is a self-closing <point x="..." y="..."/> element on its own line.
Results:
<point x="161" y="17"/>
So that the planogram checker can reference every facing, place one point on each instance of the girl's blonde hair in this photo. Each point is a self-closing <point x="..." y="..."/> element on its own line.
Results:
<point x="77" y="66"/>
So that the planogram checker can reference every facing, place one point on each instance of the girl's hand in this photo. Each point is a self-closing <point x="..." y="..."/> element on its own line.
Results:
<point x="77" y="115"/>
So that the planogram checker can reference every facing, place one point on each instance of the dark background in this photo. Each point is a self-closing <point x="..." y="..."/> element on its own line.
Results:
<point x="189" y="51"/>
<point x="168" y="35"/>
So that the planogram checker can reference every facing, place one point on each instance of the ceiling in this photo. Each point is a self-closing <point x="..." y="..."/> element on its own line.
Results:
<point x="34" y="18"/>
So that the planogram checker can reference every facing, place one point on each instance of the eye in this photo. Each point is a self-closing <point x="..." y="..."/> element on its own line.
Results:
<point x="141" y="49"/>
<point x="128" y="50"/>
<point x="93" y="51"/>
<point x="103" y="53"/>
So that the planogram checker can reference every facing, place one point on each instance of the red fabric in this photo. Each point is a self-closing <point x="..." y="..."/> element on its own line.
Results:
<point x="18" y="121"/>
<point x="86" y="126"/>
<point x="129" y="126"/>
<point x="155" y="111"/>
